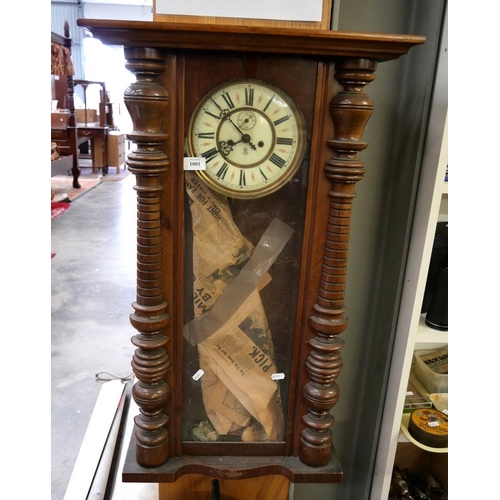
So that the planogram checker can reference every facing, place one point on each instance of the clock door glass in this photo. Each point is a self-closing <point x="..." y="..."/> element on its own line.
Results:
<point x="242" y="268"/>
<point x="240" y="311"/>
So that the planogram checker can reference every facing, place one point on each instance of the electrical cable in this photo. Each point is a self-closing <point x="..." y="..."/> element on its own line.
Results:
<point x="99" y="376"/>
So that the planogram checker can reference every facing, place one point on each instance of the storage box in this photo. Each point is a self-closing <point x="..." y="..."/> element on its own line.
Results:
<point x="61" y="166"/>
<point x="116" y="150"/>
<point x="431" y="369"/>
<point x="92" y="115"/>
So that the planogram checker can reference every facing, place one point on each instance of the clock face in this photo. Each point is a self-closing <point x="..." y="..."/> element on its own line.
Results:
<point x="252" y="136"/>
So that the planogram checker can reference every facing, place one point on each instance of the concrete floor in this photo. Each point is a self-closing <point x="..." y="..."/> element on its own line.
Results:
<point x="93" y="285"/>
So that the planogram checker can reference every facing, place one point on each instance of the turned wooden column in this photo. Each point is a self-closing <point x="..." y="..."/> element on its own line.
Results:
<point x="146" y="101"/>
<point x="350" y="110"/>
<point x="70" y="104"/>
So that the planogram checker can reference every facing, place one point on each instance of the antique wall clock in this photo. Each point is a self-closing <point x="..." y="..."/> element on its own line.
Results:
<point x="251" y="135"/>
<point x="241" y="266"/>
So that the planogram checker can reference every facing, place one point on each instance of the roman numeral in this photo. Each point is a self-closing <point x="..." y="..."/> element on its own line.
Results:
<point x="285" y="141"/>
<point x="221" y="173"/>
<point x="281" y="120"/>
<point x="210" y="154"/>
<point x="262" y="173"/>
<point x="269" y="103"/>
<point x="277" y="160"/>
<point x="249" y="97"/>
<point x="212" y="115"/>
<point x="243" y="181"/>
<point x="207" y="135"/>
<point x="228" y="100"/>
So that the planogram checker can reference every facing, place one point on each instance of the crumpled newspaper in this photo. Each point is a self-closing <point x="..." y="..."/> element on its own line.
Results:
<point x="230" y="327"/>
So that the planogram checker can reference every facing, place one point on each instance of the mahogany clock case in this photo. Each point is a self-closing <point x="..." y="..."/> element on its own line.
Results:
<point x="175" y="68"/>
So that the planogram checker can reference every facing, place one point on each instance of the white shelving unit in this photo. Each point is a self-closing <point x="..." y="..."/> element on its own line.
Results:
<point x="427" y="338"/>
<point x="412" y="333"/>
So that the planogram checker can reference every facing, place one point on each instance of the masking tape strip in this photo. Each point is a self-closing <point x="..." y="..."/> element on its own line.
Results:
<point x="265" y="253"/>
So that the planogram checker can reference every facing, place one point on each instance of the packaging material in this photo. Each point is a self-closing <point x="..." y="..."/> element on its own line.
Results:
<point x="440" y="402"/>
<point x="230" y="327"/>
<point x="415" y="396"/>
<point x="92" y="116"/>
<point x="431" y="369"/>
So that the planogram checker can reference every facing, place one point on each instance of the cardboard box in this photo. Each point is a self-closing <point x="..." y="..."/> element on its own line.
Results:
<point x="92" y="116"/>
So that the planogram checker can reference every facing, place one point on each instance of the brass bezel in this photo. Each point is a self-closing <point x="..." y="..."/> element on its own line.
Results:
<point x="292" y="166"/>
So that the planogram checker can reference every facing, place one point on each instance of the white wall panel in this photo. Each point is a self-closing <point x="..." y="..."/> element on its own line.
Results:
<point x="118" y="11"/>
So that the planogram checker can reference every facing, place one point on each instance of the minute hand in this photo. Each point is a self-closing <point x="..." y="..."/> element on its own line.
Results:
<point x="244" y="137"/>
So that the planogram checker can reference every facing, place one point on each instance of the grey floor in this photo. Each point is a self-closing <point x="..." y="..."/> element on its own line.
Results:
<point x="93" y="286"/>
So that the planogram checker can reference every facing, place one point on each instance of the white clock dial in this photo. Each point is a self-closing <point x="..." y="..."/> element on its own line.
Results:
<point x="252" y="136"/>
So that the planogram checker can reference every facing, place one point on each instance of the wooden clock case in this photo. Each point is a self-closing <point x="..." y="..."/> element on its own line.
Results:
<point x="325" y="73"/>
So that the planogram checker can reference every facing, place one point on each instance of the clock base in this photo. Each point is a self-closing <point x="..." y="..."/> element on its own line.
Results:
<point x="230" y="467"/>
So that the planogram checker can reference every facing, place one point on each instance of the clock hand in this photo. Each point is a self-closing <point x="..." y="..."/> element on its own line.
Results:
<point x="227" y="147"/>
<point x="244" y="137"/>
<point x="225" y="115"/>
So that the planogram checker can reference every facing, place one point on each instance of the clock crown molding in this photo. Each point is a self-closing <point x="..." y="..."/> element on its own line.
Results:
<point x="291" y="41"/>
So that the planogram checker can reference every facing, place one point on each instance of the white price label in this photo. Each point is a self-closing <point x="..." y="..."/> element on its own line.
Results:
<point x="198" y="375"/>
<point x="278" y="376"/>
<point x="194" y="164"/>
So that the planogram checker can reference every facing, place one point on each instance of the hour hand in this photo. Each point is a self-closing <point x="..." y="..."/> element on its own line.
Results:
<point x="227" y="146"/>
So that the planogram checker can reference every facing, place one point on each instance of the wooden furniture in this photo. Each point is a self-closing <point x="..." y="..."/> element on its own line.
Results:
<point x="197" y="486"/>
<point x="98" y="137"/>
<point x="325" y="73"/>
<point x="105" y="114"/>
<point x="96" y="130"/>
<point x="116" y="150"/>
<point x="64" y="131"/>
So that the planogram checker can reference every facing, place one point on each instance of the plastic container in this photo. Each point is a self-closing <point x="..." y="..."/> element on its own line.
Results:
<point x="415" y="396"/>
<point x="429" y="378"/>
<point x="440" y="402"/>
